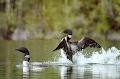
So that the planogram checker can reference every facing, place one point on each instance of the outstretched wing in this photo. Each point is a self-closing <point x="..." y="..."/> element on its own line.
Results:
<point x="87" y="42"/>
<point x="61" y="45"/>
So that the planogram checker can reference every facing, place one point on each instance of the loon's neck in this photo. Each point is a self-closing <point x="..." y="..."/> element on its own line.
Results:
<point x="26" y="60"/>
<point x="67" y="39"/>
<point x="27" y="57"/>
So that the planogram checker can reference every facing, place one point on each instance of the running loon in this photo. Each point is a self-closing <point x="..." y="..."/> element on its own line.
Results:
<point x="70" y="47"/>
<point x="26" y="58"/>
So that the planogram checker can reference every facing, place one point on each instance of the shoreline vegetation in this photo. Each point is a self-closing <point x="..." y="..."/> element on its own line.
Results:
<point x="46" y="19"/>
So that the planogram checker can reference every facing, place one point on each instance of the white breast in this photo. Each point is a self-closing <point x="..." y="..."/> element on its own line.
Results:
<point x="63" y="53"/>
<point x="25" y="66"/>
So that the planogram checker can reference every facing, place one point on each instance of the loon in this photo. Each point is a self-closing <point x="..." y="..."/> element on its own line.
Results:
<point x="26" y="58"/>
<point x="71" y="47"/>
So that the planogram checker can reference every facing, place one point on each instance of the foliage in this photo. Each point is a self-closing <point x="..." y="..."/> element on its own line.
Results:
<point x="44" y="16"/>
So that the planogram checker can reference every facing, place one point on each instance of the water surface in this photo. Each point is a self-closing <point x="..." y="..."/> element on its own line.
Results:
<point x="41" y="51"/>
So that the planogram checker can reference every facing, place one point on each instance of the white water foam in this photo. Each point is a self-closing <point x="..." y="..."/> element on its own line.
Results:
<point x="109" y="56"/>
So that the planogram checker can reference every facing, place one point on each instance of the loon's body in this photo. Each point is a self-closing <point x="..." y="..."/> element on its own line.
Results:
<point x="26" y="59"/>
<point x="71" y="47"/>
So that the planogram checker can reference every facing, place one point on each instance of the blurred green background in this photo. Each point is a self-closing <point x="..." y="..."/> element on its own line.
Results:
<point x="33" y="19"/>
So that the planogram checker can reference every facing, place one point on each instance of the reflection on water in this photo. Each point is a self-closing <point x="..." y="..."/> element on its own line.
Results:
<point x="26" y="72"/>
<point x="65" y="72"/>
<point x="89" y="71"/>
<point x="26" y="76"/>
<point x="96" y="71"/>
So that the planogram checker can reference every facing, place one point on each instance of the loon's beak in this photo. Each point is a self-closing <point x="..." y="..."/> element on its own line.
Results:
<point x="18" y="49"/>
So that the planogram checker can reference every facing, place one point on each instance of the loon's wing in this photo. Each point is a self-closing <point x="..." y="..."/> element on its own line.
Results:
<point x="87" y="42"/>
<point x="60" y="45"/>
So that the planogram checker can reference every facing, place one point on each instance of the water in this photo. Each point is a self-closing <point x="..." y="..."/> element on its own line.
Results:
<point x="102" y="56"/>
<point x="101" y="64"/>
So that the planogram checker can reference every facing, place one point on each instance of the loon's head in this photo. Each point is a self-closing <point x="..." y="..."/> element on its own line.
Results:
<point x="68" y="33"/>
<point x="26" y="53"/>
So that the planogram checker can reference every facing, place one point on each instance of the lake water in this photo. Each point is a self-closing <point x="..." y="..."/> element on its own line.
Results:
<point x="46" y="64"/>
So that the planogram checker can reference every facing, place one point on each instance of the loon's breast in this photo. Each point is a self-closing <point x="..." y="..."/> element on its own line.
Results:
<point x="73" y="47"/>
<point x="25" y="64"/>
<point x="25" y="67"/>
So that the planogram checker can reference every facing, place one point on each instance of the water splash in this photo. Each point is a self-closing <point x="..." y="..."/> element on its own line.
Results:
<point x="109" y="56"/>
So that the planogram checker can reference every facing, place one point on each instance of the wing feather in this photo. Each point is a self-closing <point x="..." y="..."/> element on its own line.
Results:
<point x="60" y="45"/>
<point x="87" y="42"/>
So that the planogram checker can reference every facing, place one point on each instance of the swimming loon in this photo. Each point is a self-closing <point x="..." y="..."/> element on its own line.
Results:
<point x="71" y="47"/>
<point x="26" y="58"/>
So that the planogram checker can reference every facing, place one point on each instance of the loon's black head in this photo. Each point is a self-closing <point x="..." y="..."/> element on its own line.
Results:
<point x="68" y="32"/>
<point x="23" y="50"/>
<point x="26" y="53"/>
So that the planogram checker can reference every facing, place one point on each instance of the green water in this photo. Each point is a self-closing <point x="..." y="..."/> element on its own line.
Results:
<point x="41" y="51"/>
